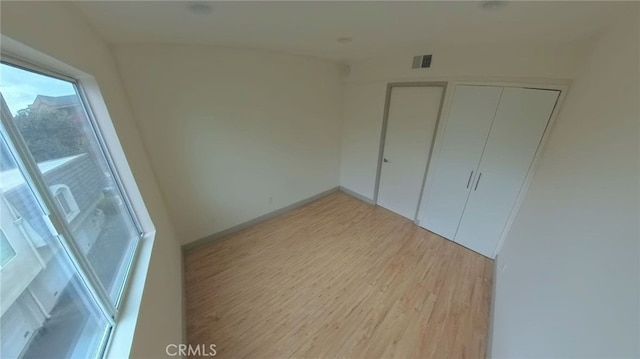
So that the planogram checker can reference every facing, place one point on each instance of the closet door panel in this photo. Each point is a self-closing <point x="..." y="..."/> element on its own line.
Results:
<point x="515" y="135"/>
<point x="455" y="166"/>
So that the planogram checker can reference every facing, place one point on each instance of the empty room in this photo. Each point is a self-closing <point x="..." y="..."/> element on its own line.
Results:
<point x="319" y="179"/>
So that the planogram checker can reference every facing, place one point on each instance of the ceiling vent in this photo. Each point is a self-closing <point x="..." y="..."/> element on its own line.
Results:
<point x="421" y="62"/>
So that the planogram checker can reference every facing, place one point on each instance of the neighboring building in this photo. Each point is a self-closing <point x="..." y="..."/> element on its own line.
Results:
<point x="28" y="247"/>
<point x="68" y="104"/>
<point x="6" y="160"/>
<point x="71" y="106"/>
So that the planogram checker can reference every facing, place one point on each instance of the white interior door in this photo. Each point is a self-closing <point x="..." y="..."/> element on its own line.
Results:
<point x="411" y="124"/>
<point x="455" y="166"/>
<point x="518" y="126"/>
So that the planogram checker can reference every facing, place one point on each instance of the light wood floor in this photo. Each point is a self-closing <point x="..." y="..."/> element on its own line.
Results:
<point x="338" y="278"/>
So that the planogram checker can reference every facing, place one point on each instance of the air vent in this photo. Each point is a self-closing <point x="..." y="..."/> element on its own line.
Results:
<point x="421" y="62"/>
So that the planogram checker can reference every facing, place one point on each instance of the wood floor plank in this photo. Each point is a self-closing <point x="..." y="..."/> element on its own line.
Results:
<point x="338" y="278"/>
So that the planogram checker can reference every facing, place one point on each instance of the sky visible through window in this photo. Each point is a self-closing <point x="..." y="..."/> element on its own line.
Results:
<point x="19" y="87"/>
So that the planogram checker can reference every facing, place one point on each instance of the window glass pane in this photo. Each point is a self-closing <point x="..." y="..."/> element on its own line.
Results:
<point x="6" y="251"/>
<point x="50" y="117"/>
<point x="45" y="309"/>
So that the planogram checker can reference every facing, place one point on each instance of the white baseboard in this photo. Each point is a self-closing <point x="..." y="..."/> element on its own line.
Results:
<point x="357" y="195"/>
<point x="260" y="219"/>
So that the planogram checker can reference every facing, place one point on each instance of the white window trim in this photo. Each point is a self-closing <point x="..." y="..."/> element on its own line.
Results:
<point x="64" y="190"/>
<point x="121" y="337"/>
<point x="15" y="253"/>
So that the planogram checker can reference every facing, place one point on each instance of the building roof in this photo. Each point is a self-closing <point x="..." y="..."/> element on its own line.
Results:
<point x="55" y="101"/>
<point x="13" y="178"/>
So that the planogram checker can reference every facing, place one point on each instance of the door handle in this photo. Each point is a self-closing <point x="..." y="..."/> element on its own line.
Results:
<point x="385" y="160"/>
<point x="477" y="182"/>
<point x="469" y="180"/>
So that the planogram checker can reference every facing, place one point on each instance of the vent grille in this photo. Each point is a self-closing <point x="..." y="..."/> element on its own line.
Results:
<point x="421" y="62"/>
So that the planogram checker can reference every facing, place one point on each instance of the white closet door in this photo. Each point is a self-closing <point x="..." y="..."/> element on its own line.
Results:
<point x="518" y="126"/>
<point x="411" y="122"/>
<point x="455" y="166"/>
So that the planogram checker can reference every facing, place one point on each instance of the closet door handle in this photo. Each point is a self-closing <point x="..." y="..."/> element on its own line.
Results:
<point x="479" y="176"/>
<point x="469" y="180"/>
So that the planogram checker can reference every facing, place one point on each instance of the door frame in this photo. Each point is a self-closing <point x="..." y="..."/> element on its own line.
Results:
<point x="383" y="133"/>
<point x="556" y="85"/>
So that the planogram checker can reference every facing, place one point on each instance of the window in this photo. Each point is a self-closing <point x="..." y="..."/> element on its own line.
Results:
<point x="65" y="200"/>
<point x="6" y="250"/>
<point x="69" y="234"/>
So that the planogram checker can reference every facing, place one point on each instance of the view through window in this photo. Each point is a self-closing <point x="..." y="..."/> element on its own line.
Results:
<point x="6" y="250"/>
<point x="59" y="289"/>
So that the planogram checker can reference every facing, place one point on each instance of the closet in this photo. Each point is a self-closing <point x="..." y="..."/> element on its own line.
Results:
<point x="490" y="139"/>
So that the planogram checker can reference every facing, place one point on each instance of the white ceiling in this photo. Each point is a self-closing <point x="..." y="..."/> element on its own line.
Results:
<point x="311" y="28"/>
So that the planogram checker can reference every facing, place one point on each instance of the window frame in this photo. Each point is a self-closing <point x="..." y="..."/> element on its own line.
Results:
<point x="6" y="239"/>
<point x="54" y="213"/>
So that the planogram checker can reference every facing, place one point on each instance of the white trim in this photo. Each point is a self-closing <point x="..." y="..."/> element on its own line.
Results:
<point x="478" y="80"/>
<point x="383" y="135"/>
<point x="357" y="195"/>
<point x="558" y="85"/>
<point x="265" y="217"/>
<point x="492" y="311"/>
<point x="120" y="339"/>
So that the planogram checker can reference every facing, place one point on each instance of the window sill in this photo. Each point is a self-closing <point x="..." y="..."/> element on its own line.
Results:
<point x="71" y="216"/>
<point x="121" y="340"/>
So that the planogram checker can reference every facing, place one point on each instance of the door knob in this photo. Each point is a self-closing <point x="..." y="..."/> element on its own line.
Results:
<point x="385" y="160"/>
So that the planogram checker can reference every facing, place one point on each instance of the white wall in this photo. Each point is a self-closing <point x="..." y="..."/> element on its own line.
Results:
<point x="365" y="88"/>
<point x="228" y="128"/>
<point x="570" y="287"/>
<point x="363" y="106"/>
<point x="57" y="30"/>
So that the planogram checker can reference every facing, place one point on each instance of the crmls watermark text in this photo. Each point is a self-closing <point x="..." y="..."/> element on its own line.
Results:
<point x="187" y="350"/>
